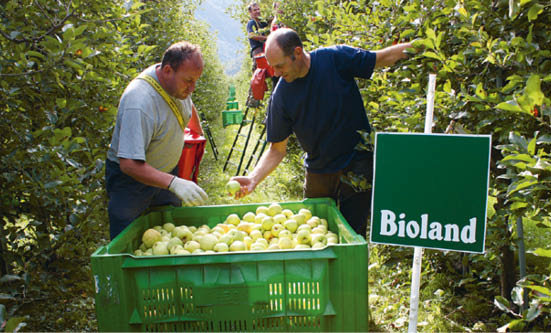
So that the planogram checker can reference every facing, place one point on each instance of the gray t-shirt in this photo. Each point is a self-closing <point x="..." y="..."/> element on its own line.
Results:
<point x="146" y="128"/>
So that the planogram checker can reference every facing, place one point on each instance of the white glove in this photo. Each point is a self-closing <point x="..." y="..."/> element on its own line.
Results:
<point x="187" y="191"/>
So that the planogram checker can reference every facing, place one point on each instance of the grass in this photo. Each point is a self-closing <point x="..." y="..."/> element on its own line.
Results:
<point x="283" y="184"/>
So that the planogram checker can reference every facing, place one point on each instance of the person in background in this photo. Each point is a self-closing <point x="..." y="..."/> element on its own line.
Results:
<point x="319" y="100"/>
<point x="255" y="29"/>
<point x="148" y="139"/>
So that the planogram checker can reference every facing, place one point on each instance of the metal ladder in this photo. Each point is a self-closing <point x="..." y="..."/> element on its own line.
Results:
<point x="207" y="131"/>
<point x="251" y="103"/>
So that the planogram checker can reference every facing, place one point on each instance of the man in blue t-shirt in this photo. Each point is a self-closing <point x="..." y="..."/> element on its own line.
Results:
<point x="319" y="101"/>
<point x="255" y="28"/>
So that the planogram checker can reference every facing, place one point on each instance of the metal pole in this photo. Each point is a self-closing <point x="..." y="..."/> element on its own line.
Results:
<point x="418" y="252"/>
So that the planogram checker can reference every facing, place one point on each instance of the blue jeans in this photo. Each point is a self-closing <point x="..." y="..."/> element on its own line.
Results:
<point x="128" y="198"/>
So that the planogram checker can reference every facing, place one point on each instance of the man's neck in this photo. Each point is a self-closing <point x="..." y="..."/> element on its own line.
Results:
<point x="160" y="76"/>
<point x="307" y="64"/>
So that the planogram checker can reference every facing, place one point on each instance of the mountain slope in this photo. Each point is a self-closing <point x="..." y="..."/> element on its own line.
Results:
<point x="227" y="30"/>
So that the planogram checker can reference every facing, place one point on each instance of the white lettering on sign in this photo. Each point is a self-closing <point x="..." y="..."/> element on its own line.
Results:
<point x="425" y="230"/>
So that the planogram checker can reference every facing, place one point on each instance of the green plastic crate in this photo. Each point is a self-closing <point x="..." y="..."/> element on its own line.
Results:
<point x="232" y="105"/>
<point x="284" y="290"/>
<point x="232" y="117"/>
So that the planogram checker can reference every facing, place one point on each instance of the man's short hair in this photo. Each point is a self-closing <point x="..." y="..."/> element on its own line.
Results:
<point x="178" y="53"/>
<point x="251" y="4"/>
<point x="287" y="40"/>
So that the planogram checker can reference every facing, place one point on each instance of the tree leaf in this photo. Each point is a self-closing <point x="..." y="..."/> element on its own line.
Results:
<point x="502" y="303"/>
<point x="9" y="278"/>
<point x="517" y="296"/>
<point x="540" y="252"/>
<point x="534" y="11"/>
<point x="510" y="105"/>
<point x="533" y="90"/>
<point x="430" y="54"/>
<point x="533" y="312"/>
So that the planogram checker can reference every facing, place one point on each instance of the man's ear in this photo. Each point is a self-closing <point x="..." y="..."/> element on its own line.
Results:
<point x="166" y="69"/>
<point x="297" y="52"/>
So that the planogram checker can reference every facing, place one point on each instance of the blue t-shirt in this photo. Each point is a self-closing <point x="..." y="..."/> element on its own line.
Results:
<point x="324" y="109"/>
<point x="253" y="27"/>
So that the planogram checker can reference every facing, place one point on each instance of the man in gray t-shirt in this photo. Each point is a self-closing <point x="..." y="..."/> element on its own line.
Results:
<point x="148" y="139"/>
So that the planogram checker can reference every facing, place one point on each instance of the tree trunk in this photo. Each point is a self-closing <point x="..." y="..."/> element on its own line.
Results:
<point x="507" y="277"/>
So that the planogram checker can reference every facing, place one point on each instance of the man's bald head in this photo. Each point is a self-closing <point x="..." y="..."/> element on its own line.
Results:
<point x="286" y="39"/>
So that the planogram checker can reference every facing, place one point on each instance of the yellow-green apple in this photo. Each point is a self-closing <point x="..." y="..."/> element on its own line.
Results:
<point x="233" y="219"/>
<point x="285" y="233"/>
<point x="248" y="241"/>
<point x="173" y="242"/>
<point x="259" y="218"/>
<point x="291" y="225"/>
<point x="169" y="226"/>
<point x="263" y="241"/>
<point x="268" y="223"/>
<point x="160" y="248"/>
<point x="267" y="235"/>
<point x="245" y="227"/>
<point x="318" y="245"/>
<point x="279" y="218"/>
<point x="255" y="234"/>
<point x="300" y="218"/>
<point x="192" y="246"/>
<point x="261" y="209"/>
<point x="303" y="236"/>
<point x="318" y="238"/>
<point x="221" y="247"/>
<point x="238" y="246"/>
<point x="307" y="213"/>
<point x="232" y="187"/>
<point x="207" y="242"/>
<point x="150" y="237"/>
<point x="256" y="246"/>
<point x="272" y="247"/>
<point x="285" y="243"/>
<point x="274" y="209"/>
<point x="249" y="217"/>
<point x="175" y="249"/>
<point x="276" y="228"/>
<point x="181" y="252"/>
<point x="183" y="233"/>
<point x="287" y="212"/>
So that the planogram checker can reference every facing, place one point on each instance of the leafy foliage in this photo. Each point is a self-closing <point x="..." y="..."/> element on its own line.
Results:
<point x="492" y="60"/>
<point x="63" y="68"/>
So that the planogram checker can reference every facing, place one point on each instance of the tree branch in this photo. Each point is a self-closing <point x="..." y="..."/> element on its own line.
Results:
<point x="53" y="28"/>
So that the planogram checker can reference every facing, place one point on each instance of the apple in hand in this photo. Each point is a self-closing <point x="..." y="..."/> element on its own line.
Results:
<point x="232" y="187"/>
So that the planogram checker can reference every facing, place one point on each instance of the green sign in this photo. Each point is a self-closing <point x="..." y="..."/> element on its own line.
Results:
<point x="431" y="190"/>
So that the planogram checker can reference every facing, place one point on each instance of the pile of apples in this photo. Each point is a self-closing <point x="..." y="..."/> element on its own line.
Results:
<point x="268" y="228"/>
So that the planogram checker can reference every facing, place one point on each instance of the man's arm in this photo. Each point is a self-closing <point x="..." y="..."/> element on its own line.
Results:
<point x="259" y="38"/>
<point x="185" y="190"/>
<point x="390" y="55"/>
<point x="145" y="173"/>
<point x="269" y="161"/>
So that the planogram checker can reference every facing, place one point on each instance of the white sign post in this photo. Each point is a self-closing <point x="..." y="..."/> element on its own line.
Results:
<point x="418" y="251"/>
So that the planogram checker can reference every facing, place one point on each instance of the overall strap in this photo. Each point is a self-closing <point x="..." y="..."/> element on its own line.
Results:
<point x="149" y="79"/>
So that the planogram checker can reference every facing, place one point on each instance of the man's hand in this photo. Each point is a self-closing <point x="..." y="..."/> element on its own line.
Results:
<point x="247" y="186"/>
<point x="187" y="191"/>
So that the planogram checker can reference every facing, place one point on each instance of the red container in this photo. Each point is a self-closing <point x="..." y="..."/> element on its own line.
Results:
<point x="194" y="147"/>
<point x="262" y="63"/>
